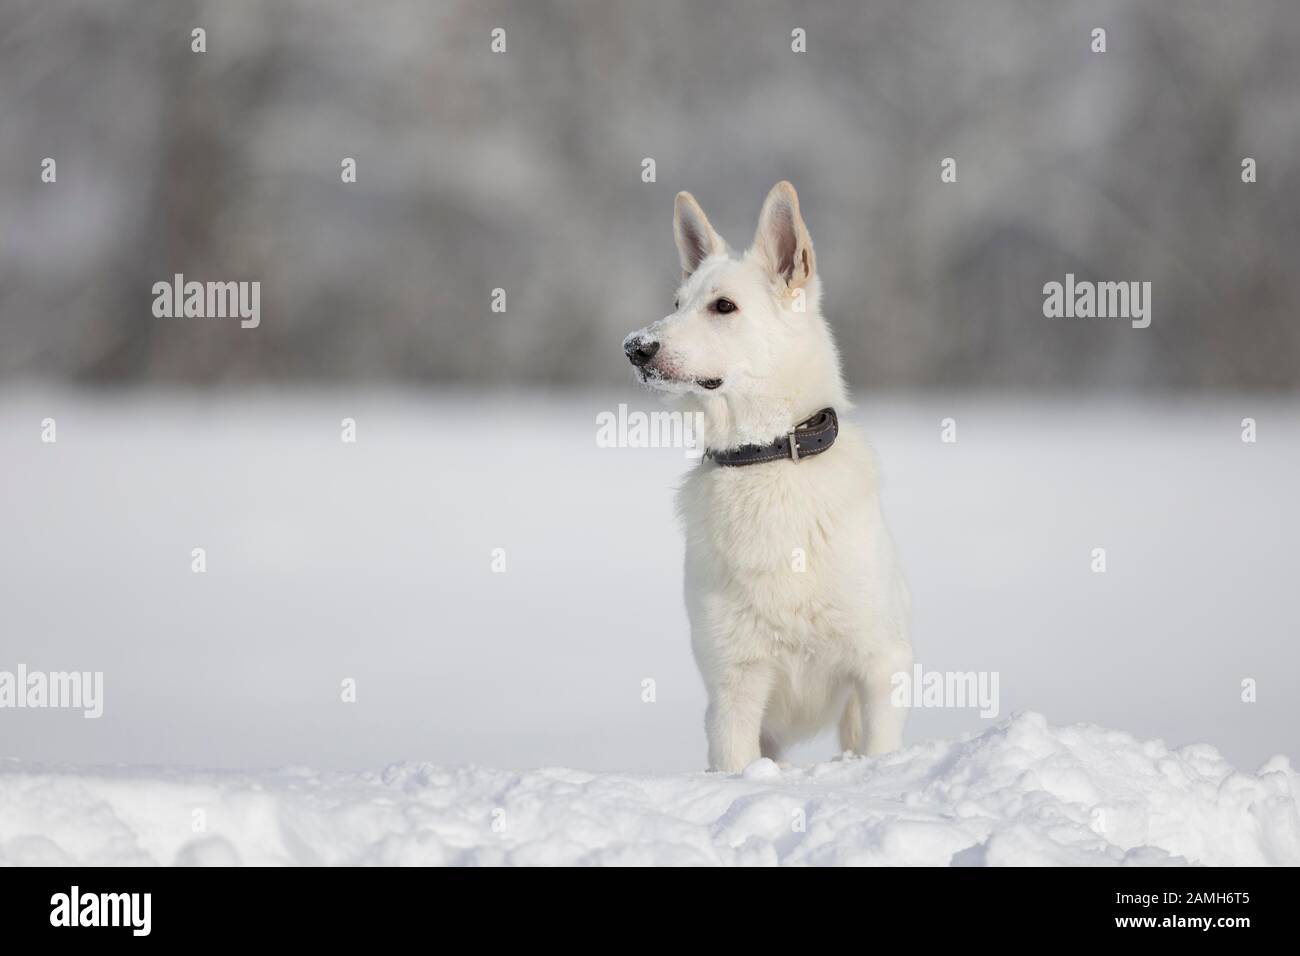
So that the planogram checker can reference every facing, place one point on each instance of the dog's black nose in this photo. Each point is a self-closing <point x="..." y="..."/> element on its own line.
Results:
<point x="639" y="351"/>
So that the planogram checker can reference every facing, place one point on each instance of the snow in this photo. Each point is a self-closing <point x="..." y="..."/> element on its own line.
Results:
<point x="373" y="562"/>
<point x="1020" y="793"/>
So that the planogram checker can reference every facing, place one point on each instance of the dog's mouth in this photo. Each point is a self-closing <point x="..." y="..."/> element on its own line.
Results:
<point x="655" y="377"/>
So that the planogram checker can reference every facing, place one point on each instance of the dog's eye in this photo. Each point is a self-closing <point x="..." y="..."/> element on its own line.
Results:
<point x="724" y="306"/>
<point x="677" y="304"/>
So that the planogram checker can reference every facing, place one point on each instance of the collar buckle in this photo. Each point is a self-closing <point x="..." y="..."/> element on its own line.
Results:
<point x="820" y="430"/>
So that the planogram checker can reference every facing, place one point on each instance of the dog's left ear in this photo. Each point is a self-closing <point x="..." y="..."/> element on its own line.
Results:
<point x="696" y="238"/>
<point x="782" y="239"/>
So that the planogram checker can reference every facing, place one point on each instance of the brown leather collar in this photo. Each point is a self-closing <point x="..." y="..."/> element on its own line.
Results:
<point x="812" y="436"/>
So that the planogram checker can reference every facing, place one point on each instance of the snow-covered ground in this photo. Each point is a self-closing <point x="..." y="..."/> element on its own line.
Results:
<point x="1020" y="793"/>
<point x="374" y="562"/>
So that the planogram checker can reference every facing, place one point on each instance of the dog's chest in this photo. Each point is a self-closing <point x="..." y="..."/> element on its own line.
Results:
<point x="757" y="518"/>
<point x="762" y="552"/>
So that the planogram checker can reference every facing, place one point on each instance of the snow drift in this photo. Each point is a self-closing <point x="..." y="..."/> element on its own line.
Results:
<point x="1021" y="792"/>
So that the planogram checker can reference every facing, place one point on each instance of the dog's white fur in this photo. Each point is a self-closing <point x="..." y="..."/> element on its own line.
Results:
<point x="799" y="613"/>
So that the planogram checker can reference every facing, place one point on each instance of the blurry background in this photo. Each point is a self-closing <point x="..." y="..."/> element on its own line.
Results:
<point x="523" y="171"/>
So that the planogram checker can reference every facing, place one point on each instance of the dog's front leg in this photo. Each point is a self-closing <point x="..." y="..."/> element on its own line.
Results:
<point x="734" y="719"/>
<point x="871" y="723"/>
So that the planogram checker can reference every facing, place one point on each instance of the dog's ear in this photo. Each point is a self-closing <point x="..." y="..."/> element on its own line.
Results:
<point x="696" y="240"/>
<point x="782" y="239"/>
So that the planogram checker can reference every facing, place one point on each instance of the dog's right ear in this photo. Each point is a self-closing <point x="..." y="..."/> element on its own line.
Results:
<point x="782" y="238"/>
<point x="696" y="240"/>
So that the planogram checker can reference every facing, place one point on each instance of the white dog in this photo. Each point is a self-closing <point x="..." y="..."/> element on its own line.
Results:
<point x="799" y="614"/>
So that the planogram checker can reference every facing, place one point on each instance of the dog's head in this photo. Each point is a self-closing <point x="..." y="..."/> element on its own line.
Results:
<point x="743" y="328"/>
